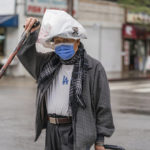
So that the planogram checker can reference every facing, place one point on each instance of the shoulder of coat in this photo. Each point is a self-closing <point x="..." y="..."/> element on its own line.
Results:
<point x="93" y="63"/>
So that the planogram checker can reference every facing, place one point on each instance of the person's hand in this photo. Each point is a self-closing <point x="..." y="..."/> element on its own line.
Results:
<point x="97" y="147"/>
<point x="29" y="23"/>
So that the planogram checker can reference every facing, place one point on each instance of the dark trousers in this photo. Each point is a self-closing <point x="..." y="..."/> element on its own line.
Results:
<point x="59" y="137"/>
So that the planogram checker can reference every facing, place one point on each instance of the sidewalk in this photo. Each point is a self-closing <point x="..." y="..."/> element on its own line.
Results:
<point x="126" y="76"/>
<point x="130" y="107"/>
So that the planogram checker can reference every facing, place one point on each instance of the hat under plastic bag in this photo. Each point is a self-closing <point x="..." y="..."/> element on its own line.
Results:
<point x="58" y="23"/>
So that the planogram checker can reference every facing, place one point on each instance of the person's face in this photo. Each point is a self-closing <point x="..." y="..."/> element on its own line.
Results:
<point x="58" y="40"/>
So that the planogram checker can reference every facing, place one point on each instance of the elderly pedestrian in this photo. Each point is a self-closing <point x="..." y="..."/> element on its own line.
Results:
<point x="73" y="97"/>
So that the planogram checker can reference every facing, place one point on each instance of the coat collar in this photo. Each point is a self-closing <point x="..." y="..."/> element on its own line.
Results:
<point x="86" y="56"/>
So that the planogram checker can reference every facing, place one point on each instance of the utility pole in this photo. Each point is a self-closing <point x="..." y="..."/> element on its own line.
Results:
<point x="70" y="7"/>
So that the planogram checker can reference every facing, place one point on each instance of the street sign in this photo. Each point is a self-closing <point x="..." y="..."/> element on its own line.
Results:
<point x="38" y="7"/>
<point x="140" y="18"/>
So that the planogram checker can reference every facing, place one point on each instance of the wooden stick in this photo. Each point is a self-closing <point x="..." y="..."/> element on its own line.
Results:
<point x="14" y="53"/>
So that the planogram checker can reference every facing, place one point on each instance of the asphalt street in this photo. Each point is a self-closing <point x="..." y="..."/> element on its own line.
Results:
<point x="130" y="105"/>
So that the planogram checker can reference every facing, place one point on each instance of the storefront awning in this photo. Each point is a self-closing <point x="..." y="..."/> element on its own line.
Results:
<point x="133" y="31"/>
<point x="9" y="21"/>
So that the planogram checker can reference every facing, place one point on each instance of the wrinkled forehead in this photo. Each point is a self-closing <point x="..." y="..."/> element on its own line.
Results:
<point x="63" y="40"/>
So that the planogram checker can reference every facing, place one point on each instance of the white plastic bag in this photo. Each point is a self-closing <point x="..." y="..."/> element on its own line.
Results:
<point x="61" y="24"/>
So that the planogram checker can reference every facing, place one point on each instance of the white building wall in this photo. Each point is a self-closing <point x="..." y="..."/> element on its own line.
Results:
<point x="111" y="45"/>
<point x="103" y="21"/>
<point x="94" y="11"/>
<point x="105" y="44"/>
<point x="92" y="44"/>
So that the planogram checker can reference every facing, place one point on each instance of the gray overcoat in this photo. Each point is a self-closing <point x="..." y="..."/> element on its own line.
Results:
<point x="93" y="123"/>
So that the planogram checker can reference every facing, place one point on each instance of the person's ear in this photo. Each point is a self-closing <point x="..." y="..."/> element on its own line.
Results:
<point x="76" y="45"/>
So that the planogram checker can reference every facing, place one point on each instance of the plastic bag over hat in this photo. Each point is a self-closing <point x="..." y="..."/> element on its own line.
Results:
<point x="58" y="23"/>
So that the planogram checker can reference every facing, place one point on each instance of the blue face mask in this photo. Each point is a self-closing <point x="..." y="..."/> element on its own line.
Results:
<point x="65" y="50"/>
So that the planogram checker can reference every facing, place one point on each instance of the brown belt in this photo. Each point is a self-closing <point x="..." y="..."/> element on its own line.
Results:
<point x="55" y="120"/>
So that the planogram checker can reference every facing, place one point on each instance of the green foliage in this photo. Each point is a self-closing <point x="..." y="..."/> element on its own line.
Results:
<point x="136" y="5"/>
<point x="142" y="3"/>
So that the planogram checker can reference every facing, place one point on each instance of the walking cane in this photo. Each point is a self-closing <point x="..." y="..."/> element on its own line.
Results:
<point x="24" y="37"/>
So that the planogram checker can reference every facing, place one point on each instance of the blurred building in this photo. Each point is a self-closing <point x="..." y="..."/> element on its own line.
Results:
<point x="103" y="21"/>
<point x="136" y="42"/>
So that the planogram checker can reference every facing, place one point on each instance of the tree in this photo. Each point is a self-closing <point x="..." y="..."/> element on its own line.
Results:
<point x="142" y="6"/>
<point x="142" y="3"/>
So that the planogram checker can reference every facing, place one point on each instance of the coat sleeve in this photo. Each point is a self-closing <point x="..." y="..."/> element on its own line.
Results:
<point x="29" y="57"/>
<point x="104" y="118"/>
